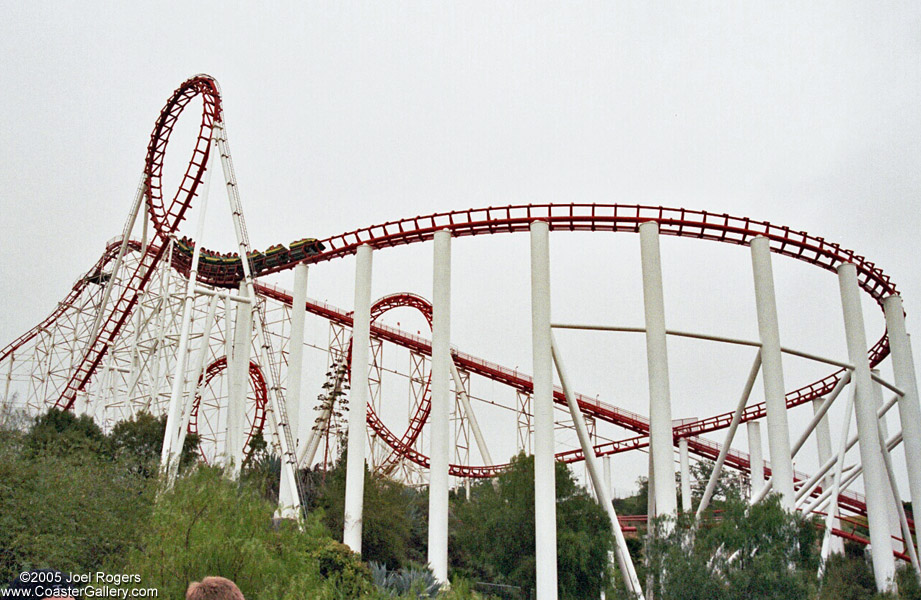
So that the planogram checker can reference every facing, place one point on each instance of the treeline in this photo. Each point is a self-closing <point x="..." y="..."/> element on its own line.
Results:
<point x="75" y="499"/>
<point x="740" y="552"/>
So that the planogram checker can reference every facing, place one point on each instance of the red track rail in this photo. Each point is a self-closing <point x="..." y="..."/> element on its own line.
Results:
<point x="520" y="381"/>
<point x="485" y="221"/>
<point x="165" y="219"/>
<point x="257" y="380"/>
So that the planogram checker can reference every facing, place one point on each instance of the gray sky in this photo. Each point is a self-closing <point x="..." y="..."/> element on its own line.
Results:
<point x="344" y="115"/>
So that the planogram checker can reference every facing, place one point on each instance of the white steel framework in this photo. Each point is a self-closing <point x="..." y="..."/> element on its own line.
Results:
<point x="152" y="328"/>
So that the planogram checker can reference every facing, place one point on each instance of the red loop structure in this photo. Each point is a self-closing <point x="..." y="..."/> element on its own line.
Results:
<point x="402" y="446"/>
<point x="166" y="219"/>
<point x="260" y="389"/>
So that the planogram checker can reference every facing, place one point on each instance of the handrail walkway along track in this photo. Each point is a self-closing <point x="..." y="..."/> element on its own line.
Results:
<point x="226" y="270"/>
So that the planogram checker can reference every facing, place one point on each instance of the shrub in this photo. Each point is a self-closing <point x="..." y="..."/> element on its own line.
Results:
<point x="68" y="511"/>
<point x="747" y="552"/>
<point x="413" y="581"/>
<point x="493" y="533"/>
<point x="207" y="525"/>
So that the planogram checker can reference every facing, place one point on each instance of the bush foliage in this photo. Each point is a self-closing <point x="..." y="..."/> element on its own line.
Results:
<point x="75" y="499"/>
<point x="492" y="534"/>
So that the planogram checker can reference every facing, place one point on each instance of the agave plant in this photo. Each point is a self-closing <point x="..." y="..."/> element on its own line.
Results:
<point x="414" y="580"/>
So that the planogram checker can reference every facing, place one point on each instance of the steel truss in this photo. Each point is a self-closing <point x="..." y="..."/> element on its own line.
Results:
<point x="134" y="335"/>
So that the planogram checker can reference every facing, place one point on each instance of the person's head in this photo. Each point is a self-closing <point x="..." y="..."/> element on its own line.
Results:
<point x="213" y="588"/>
<point x="40" y="584"/>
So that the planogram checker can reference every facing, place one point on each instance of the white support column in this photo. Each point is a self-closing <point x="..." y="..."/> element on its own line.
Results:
<point x="358" y="405"/>
<point x="874" y="475"/>
<point x="823" y="446"/>
<point x="441" y="407"/>
<point x="606" y="469"/>
<point x="835" y="488"/>
<point x="823" y="435"/>
<point x="903" y="368"/>
<point x="772" y="373"/>
<point x="607" y="475"/>
<point x="756" y="457"/>
<point x="662" y="474"/>
<point x="173" y="416"/>
<point x="542" y="403"/>
<point x="622" y="552"/>
<point x="464" y="398"/>
<point x="650" y="514"/>
<point x="288" y="502"/>
<point x="238" y="372"/>
<point x="650" y="490"/>
<point x="904" y="527"/>
<point x="296" y="353"/>
<point x="895" y="527"/>
<point x="684" y="461"/>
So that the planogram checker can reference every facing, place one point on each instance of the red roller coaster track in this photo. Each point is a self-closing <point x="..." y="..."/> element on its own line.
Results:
<point x="165" y="219"/>
<point x="260" y="388"/>
<point x="484" y="221"/>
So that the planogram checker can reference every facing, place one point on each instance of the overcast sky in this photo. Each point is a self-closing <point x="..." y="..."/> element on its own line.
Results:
<point x="342" y="115"/>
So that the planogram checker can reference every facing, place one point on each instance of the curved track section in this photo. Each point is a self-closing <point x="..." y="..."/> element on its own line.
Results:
<point x="260" y="389"/>
<point x="165" y="218"/>
<point x="678" y="222"/>
<point x="403" y="445"/>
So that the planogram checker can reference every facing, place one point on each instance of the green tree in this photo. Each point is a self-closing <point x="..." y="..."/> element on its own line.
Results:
<point x="63" y="507"/>
<point x="492" y="534"/>
<point x="61" y="432"/>
<point x="139" y="441"/>
<point x="394" y="519"/>
<point x="758" y="552"/>
<point x="729" y="485"/>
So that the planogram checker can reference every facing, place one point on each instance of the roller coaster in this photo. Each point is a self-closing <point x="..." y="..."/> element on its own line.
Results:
<point x="141" y="331"/>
